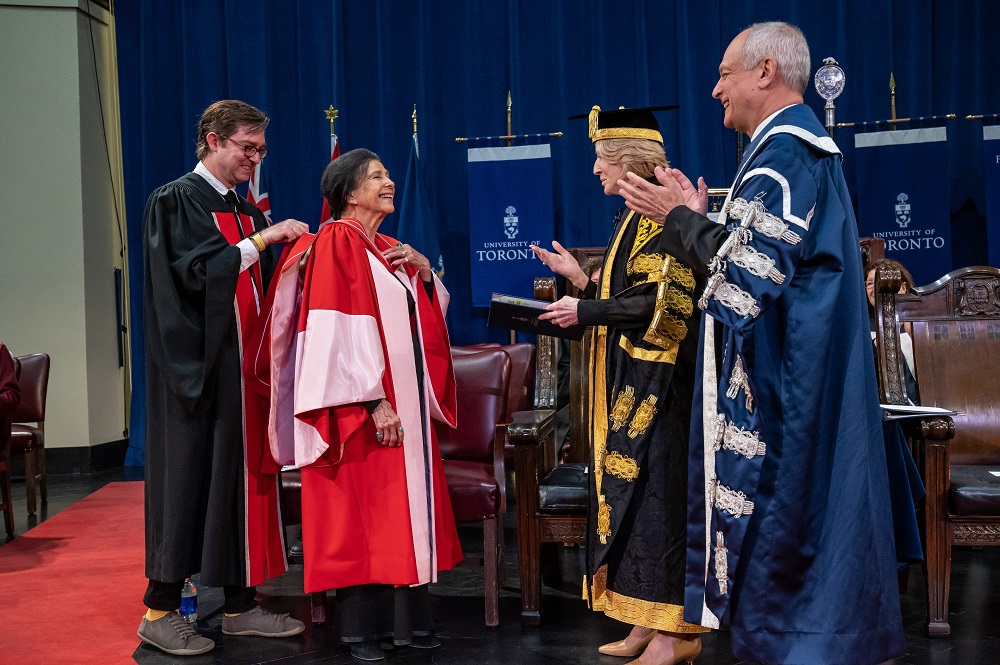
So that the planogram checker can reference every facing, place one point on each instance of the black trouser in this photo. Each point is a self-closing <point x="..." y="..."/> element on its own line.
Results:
<point x="166" y="596"/>
<point x="377" y="611"/>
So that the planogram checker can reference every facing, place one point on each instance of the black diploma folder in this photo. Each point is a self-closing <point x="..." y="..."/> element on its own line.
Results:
<point x="522" y="314"/>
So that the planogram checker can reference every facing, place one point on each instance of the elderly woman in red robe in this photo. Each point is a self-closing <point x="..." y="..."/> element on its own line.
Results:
<point x="360" y="365"/>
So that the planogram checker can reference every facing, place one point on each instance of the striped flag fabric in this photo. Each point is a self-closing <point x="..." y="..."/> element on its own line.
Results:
<point x="324" y="215"/>
<point x="257" y="192"/>
<point x="416" y="222"/>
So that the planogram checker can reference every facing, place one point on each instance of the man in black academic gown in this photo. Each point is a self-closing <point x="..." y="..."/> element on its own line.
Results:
<point x="211" y="492"/>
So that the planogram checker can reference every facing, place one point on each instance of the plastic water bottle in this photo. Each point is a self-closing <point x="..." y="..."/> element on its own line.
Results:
<point x="189" y="602"/>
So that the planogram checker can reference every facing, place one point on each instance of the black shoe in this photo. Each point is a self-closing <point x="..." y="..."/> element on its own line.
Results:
<point x="425" y="642"/>
<point x="368" y="650"/>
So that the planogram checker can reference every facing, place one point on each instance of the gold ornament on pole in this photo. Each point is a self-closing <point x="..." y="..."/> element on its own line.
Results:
<point x="510" y="135"/>
<point x="331" y="115"/>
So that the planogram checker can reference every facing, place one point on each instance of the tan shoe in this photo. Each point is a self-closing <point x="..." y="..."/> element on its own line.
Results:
<point x="685" y="651"/>
<point x="621" y="648"/>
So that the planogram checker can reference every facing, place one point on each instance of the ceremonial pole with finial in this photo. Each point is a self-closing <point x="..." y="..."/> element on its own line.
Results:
<point x="892" y="94"/>
<point x="510" y="142"/>
<point x="416" y="145"/>
<point x="510" y="135"/>
<point x="331" y="115"/>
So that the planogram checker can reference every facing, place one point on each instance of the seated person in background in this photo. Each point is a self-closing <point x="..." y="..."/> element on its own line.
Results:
<point x="905" y="486"/>
<point x="592" y="268"/>
<point x="905" y="330"/>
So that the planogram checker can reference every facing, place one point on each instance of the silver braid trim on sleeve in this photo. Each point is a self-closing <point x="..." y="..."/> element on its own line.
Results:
<point x="740" y="381"/>
<point x="735" y="299"/>
<point x="721" y="563"/>
<point x="732" y="501"/>
<point x="756" y="263"/>
<point x="761" y="220"/>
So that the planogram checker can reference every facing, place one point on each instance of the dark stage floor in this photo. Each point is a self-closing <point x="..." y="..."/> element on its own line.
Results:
<point x="570" y="634"/>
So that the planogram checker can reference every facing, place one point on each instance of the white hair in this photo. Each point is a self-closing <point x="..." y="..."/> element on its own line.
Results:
<point x="786" y="44"/>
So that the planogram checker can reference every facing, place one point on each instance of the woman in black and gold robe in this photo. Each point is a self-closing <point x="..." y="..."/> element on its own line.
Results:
<point x="642" y="368"/>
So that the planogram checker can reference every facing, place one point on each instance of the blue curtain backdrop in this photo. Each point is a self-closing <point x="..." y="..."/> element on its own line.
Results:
<point x="375" y="59"/>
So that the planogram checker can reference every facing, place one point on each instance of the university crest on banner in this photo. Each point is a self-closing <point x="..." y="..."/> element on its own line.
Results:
<point x="510" y="208"/>
<point x="903" y="211"/>
<point x="510" y="223"/>
<point x="903" y="201"/>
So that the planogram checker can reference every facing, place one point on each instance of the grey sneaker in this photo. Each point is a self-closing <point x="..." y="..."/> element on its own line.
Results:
<point x="264" y="623"/>
<point x="174" y="635"/>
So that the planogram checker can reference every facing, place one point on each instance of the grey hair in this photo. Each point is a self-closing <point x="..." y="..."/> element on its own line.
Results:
<point x="786" y="44"/>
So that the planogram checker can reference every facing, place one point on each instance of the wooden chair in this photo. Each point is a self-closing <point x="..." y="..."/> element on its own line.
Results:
<point x="872" y="249"/>
<point x="28" y="429"/>
<point x="551" y="496"/>
<point x="956" y="346"/>
<point x="6" y="503"/>
<point x="474" y="458"/>
<point x="9" y="396"/>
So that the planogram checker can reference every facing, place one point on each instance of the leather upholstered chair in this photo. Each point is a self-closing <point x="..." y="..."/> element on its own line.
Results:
<point x="28" y="430"/>
<point x="473" y="455"/>
<point x="956" y="349"/>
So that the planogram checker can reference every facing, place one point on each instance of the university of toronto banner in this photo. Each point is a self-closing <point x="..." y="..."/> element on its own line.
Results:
<point x="510" y="207"/>
<point x="903" y="197"/>
<point x="991" y="173"/>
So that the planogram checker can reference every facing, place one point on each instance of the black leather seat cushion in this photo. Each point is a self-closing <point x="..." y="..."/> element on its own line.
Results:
<point x="291" y="497"/>
<point x="974" y="490"/>
<point x="564" y="491"/>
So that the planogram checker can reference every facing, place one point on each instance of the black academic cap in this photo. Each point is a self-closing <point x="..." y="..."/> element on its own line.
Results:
<point x="624" y="123"/>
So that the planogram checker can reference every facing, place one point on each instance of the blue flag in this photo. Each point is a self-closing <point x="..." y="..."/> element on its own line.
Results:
<point x="991" y="170"/>
<point x="416" y="222"/>
<point x="510" y="207"/>
<point x="901" y="198"/>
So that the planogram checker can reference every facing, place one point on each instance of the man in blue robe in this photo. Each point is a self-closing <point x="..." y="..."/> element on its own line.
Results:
<point x="789" y="532"/>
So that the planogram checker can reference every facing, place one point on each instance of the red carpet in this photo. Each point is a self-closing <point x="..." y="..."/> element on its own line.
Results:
<point x="71" y="588"/>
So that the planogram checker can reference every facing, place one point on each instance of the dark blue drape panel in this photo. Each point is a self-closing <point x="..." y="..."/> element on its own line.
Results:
<point x="375" y="59"/>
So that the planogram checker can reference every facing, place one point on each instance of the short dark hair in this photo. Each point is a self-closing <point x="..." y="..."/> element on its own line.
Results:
<point x="344" y="175"/>
<point x="225" y="118"/>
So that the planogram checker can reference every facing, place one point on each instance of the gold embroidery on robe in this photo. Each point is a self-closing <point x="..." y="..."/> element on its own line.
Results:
<point x="639" y="612"/>
<point x="646" y="231"/>
<point x="643" y="416"/>
<point x="681" y="275"/>
<point x="666" y="331"/>
<point x="621" y="466"/>
<point x="622" y="408"/>
<point x="667" y="353"/>
<point x="603" y="520"/>
<point x="645" y="263"/>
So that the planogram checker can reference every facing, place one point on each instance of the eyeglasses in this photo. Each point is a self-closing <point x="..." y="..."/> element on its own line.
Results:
<point x="248" y="150"/>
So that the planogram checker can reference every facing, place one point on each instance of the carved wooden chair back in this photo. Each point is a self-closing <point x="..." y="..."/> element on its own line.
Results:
<point x="956" y="347"/>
